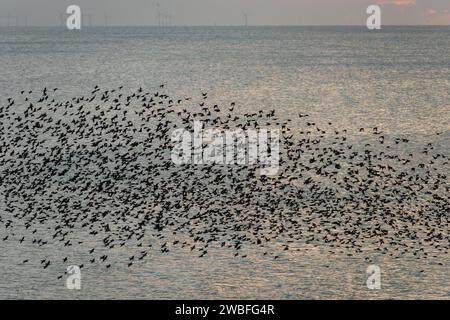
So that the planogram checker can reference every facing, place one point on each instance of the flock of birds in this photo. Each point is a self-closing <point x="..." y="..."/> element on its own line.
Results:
<point x="100" y="165"/>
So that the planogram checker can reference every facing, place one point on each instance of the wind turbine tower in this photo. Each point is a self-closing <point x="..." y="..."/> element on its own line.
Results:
<point x="159" y="14"/>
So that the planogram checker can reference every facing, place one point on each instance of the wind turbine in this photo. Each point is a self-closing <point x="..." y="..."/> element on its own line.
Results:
<point x="106" y="20"/>
<point x="89" y="18"/>
<point x="245" y="14"/>
<point x="159" y="14"/>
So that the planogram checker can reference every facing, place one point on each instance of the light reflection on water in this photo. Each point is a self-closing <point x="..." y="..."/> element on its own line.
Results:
<point x="304" y="274"/>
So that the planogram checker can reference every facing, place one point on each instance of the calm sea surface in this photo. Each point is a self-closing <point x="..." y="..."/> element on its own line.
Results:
<point x="397" y="79"/>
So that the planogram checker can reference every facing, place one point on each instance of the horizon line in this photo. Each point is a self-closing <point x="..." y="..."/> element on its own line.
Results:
<point x="235" y="25"/>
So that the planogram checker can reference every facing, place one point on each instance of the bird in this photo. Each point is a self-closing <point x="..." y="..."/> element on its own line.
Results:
<point x="98" y="164"/>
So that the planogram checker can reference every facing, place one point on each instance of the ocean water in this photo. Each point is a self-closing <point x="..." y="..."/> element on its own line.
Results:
<point x="396" y="79"/>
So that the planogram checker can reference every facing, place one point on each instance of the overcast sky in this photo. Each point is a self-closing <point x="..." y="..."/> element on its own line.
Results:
<point x="229" y="12"/>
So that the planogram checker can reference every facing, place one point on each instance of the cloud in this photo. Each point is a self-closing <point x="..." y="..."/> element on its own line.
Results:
<point x="437" y="17"/>
<point x="399" y="3"/>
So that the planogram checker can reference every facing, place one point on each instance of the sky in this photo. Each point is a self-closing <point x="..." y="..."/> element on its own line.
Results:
<point x="227" y="12"/>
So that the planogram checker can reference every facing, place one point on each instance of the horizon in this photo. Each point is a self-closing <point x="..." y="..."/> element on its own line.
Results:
<point x="227" y="26"/>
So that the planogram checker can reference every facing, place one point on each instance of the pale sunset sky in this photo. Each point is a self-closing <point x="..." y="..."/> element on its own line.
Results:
<point x="230" y="12"/>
